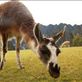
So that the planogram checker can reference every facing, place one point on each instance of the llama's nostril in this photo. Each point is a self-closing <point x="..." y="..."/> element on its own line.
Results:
<point x="56" y="66"/>
<point x="51" y="64"/>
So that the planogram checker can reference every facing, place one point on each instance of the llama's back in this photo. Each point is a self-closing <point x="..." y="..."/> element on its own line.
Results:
<point x="16" y="15"/>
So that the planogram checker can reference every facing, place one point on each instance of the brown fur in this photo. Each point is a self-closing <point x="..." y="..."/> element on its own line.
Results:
<point x="15" y="20"/>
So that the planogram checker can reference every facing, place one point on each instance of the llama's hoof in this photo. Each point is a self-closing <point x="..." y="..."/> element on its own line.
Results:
<point x="21" y="67"/>
<point x="1" y="66"/>
<point x="4" y="60"/>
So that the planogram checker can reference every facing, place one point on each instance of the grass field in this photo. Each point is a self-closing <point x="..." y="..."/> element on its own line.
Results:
<point x="70" y="61"/>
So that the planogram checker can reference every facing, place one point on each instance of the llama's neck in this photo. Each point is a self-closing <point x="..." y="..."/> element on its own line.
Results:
<point x="31" y="43"/>
<point x="30" y="40"/>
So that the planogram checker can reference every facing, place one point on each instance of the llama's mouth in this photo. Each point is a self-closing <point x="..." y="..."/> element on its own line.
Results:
<point x="54" y="71"/>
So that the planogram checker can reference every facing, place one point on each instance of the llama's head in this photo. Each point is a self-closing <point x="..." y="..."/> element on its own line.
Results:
<point x="48" y="51"/>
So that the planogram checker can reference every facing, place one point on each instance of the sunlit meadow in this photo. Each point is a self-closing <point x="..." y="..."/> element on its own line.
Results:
<point x="70" y="61"/>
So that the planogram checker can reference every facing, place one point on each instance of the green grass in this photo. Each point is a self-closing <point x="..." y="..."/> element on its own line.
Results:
<point x="70" y="61"/>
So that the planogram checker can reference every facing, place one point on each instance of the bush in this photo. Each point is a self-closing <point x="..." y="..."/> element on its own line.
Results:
<point x="77" y="40"/>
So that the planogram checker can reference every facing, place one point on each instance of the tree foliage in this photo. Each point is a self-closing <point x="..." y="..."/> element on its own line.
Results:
<point x="77" y="40"/>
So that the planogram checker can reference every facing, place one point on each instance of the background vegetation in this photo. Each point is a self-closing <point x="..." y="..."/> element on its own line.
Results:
<point x="73" y="33"/>
<point x="77" y="40"/>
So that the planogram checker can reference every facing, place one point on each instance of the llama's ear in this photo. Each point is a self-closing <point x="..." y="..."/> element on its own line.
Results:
<point x="59" y="34"/>
<point x="37" y="33"/>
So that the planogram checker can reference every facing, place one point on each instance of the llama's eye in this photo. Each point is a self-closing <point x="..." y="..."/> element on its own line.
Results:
<point x="45" y="50"/>
<point x="44" y="54"/>
<point x="52" y="43"/>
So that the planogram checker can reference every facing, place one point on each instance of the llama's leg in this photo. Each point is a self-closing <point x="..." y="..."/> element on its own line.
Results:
<point x="18" y="53"/>
<point x="1" y="48"/>
<point x="4" y="40"/>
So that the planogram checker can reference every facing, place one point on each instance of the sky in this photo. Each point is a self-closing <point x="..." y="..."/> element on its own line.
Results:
<point x="55" y="12"/>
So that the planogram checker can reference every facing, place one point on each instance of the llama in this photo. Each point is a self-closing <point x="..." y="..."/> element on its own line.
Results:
<point x="66" y="44"/>
<point x="17" y="21"/>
